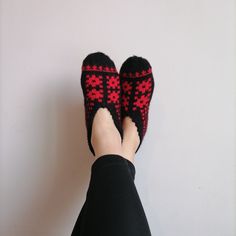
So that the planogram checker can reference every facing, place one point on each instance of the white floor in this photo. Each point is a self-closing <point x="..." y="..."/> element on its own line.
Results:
<point x="186" y="165"/>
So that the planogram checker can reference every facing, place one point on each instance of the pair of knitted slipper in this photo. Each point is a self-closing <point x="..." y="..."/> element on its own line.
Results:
<point x="128" y="93"/>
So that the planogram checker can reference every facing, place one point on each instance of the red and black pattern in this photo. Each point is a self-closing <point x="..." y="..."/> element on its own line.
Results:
<point x="99" y="68"/>
<point x="101" y="88"/>
<point x="137" y="85"/>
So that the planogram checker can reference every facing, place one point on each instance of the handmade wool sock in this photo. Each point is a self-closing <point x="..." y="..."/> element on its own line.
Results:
<point x="101" y="88"/>
<point x="137" y="85"/>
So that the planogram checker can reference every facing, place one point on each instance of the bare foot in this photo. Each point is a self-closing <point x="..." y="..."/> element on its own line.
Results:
<point x="131" y="139"/>
<point x="105" y="137"/>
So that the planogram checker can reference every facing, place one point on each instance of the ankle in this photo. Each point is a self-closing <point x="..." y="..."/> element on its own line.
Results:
<point x="128" y="154"/>
<point x="106" y="142"/>
<point x="131" y="138"/>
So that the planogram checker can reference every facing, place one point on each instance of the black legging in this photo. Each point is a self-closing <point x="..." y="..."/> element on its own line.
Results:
<point x="112" y="206"/>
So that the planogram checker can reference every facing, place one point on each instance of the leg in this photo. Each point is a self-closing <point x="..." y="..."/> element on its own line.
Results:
<point x="113" y="204"/>
<point x="112" y="207"/>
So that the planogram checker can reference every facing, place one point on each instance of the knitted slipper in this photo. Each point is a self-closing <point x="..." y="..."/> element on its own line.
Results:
<point x="137" y="85"/>
<point x="101" y="88"/>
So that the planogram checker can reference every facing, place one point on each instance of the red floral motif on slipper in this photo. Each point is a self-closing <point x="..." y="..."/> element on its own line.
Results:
<point x="141" y="102"/>
<point x="93" y="80"/>
<point x="95" y="94"/>
<point x="113" y="82"/>
<point x="113" y="96"/>
<point x="126" y="87"/>
<point x="144" y="86"/>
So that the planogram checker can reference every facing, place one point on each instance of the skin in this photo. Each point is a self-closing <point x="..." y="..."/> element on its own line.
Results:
<point x="106" y="138"/>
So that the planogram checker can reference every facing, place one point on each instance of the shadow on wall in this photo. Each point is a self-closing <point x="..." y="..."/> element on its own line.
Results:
<point x="64" y="175"/>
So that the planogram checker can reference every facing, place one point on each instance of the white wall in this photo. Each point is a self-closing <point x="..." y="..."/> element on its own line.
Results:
<point x="186" y="165"/>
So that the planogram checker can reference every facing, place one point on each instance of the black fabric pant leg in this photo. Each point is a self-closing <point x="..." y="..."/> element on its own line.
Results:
<point x="112" y="206"/>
